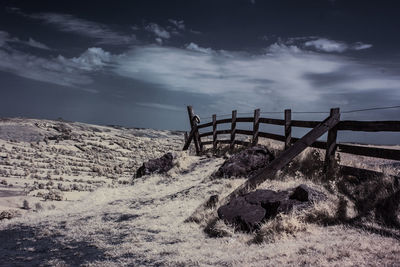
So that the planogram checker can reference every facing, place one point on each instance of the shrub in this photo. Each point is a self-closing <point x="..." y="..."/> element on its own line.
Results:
<point x="25" y="205"/>
<point x="9" y="214"/>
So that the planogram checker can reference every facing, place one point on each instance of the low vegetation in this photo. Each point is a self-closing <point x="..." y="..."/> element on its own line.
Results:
<point x="75" y="196"/>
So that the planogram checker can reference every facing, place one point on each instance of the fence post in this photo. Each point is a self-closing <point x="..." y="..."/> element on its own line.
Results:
<point x="233" y="129"/>
<point x="256" y="124"/>
<point x="331" y="145"/>
<point x="214" y="124"/>
<point x="288" y="128"/>
<point x="196" y="137"/>
<point x="186" y="137"/>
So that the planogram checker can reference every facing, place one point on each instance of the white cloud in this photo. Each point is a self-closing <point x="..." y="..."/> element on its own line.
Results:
<point x="72" y="24"/>
<point x="179" y="24"/>
<point x="326" y="45"/>
<point x="284" y="75"/>
<point x="159" y="106"/>
<point x="195" y="47"/>
<point x="158" y="31"/>
<point x="6" y="38"/>
<point x="92" y="59"/>
<point x="41" y="69"/>
<point x="361" y="46"/>
<point x="71" y="72"/>
<point x="159" y="41"/>
<point x="31" y="42"/>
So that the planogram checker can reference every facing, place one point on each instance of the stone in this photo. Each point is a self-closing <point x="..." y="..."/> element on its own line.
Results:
<point x="300" y="194"/>
<point x="212" y="201"/>
<point x="160" y="165"/>
<point x="245" y="163"/>
<point x="244" y="215"/>
<point x="249" y="211"/>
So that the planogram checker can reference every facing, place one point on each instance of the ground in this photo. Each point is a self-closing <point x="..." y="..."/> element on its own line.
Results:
<point x="106" y="217"/>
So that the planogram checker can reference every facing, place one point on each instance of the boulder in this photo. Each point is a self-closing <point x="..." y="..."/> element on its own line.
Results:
<point x="247" y="212"/>
<point x="245" y="163"/>
<point x="212" y="201"/>
<point x="160" y="165"/>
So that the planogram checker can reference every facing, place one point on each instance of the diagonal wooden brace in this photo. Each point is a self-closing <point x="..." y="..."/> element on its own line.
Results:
<point x="278" y="163"/>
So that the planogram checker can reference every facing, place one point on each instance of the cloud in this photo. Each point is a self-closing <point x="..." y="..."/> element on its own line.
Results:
<point x="71" y="72"/>
<point x="195" y="47"/>
<point x="326" y="45"/>
<point x="361" y="46"/>
<point x="179" y="24"/>
<point x="158" y="31"/>
<point x="41" y="69"/>
<point x="6" y="38"/>
<point x="160" y="106"/>
<point x="72" y="24"/>
<point x="92" y="59"/>
<point x="282" y="76"/>
<point x="31" y="42"/>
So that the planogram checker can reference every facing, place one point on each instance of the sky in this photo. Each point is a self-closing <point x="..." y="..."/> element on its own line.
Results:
<point x="140" y="63"/>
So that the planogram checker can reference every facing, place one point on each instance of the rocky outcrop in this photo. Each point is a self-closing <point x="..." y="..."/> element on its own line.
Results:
<point x="245" y="163"/>
<point x="249" y="211"/>
<point x="160" y="165"/>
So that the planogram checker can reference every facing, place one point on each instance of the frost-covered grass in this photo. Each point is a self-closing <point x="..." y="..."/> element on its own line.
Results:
<point x="147" y="223"/>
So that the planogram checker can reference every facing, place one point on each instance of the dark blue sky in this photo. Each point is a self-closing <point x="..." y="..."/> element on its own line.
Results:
<point x="139" y="63"/>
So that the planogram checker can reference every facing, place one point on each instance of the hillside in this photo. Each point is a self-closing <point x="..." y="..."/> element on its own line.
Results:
<point x="84" y="206"/>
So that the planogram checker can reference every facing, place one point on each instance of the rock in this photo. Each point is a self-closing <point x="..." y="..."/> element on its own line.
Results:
<point x="300" y="194"/>
<point x="244" y="215"/>
<point x="212" y="201"/>
<point x="160" y="165"/>
<point x="249" y="211"/>
<point x="245" y="162"/>
<point x="304" y="193"/>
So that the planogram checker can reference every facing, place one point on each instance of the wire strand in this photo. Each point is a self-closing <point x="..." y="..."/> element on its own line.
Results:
<point x="311" y="112"/>
<point x="369" y="109"/>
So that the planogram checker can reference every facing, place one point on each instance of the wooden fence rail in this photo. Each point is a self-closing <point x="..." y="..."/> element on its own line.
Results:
<point x="330" y="146"/>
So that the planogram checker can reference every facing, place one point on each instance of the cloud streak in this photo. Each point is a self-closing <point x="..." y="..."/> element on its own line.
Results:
<point x="326" y="45"/>
<point x="68" y="23"/>
<point x="71" y="72"/>
<point x="283" y="75"/>
<point x="5" y="38"/>
<point x="159" y="106"/>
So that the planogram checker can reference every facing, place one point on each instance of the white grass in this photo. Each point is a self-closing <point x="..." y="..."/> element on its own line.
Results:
<point x="143" y="224"/>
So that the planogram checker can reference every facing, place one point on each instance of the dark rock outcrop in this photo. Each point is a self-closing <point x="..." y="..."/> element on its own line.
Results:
<point x="212" y="202"/>
<point x="246" y="162"/>
<point x="160" y="165"/>
<point x="249" y="211"/>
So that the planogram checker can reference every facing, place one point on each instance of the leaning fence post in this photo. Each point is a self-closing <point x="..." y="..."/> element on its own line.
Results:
<point x="255" y="126"/>
<point x="288" y="128"/>
<point x="214" y="124"/>
<point x="331" y="145"/>
<point x="186" y="137"/>
<point x="233" y="129"/>
<point x="196" y="137"/>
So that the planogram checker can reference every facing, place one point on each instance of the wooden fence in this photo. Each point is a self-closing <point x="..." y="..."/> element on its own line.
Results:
<point x="330" y="146"/>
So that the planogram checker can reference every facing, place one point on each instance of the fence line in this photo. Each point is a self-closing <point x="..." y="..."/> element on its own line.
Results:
<point x="330" y="146"/>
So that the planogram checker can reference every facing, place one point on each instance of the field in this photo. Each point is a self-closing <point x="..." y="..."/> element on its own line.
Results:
<point x="68" y="197"/>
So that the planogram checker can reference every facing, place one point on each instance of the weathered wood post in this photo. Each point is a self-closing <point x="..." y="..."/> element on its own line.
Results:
<point x="256" y="124"/>
<point x="331" y="145"/>
<point x="233" y="129"/>
<point x="214" y="124"/>
<point x="186" y="137"/>
<point x="196" y="137"/>
<point x="288" y="128"/>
